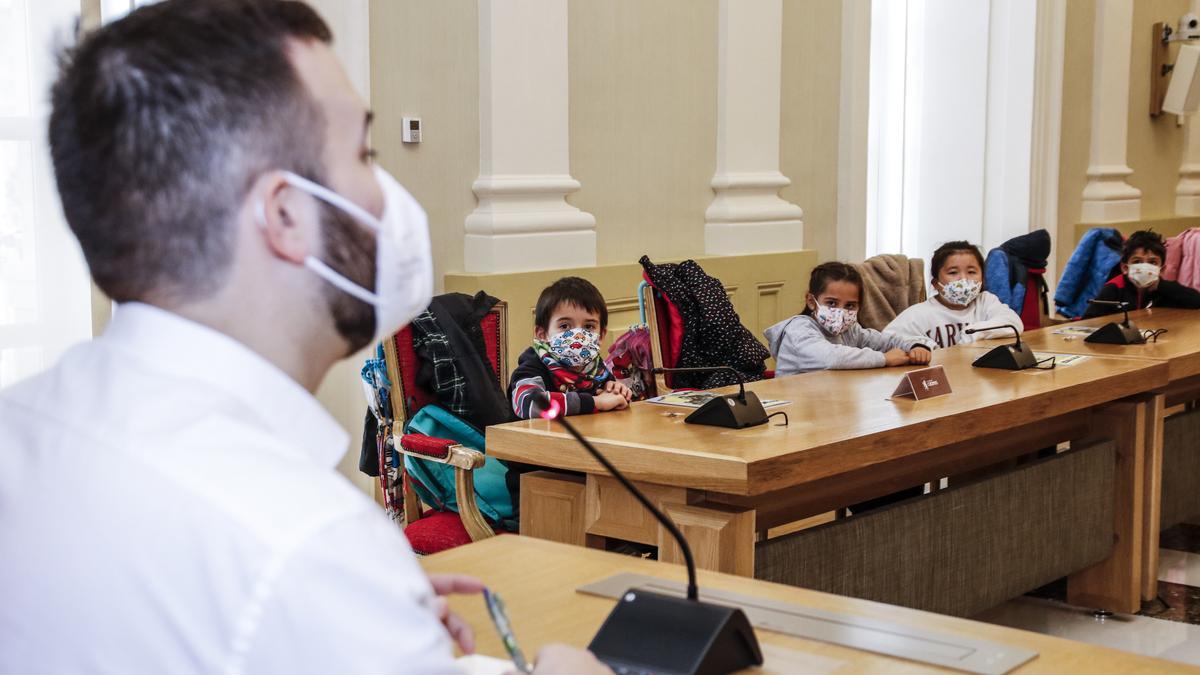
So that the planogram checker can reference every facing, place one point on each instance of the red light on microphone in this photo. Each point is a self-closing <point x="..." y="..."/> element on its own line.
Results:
<point x="554" y="411"/>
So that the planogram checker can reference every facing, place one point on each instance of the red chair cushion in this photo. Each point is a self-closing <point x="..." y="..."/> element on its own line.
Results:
<point x="437" y="531"/>
<point x="416" y="397"/>
<point x="670" y="330"/>
<point x="1031" y="310"/>
<point x="436" y="448"/>
<point x="490" y="325"/>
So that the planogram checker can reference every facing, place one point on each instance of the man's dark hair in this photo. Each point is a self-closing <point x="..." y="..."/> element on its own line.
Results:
<point x="828" y="272"/>
<point x="572" y="291"/>
<point x="950" y="248"/>
<point x="1149" y="240"/>
<point x="161" y="123"/>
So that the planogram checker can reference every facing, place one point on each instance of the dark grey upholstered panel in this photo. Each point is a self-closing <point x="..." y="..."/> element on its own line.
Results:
<point x="1181" y="468"/>
<point x="962" y="550"/>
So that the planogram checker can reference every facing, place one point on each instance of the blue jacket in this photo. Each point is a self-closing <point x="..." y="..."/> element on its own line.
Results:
<point x="1087" y="270"/>
<point x="996" y="281"/>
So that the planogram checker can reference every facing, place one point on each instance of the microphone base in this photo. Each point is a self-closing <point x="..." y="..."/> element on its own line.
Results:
<point x="730" y="412"/>
<point x="1008" y="357"/>
<point x="653" y="633"/>
<point x="1117" y="333"/>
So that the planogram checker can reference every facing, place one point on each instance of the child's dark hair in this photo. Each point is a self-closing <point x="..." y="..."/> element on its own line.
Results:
<point x="573" y="291"/>
<point x="829" y="272"/>
<point x="1149" y="240"/>
<point x="948" y="249"/>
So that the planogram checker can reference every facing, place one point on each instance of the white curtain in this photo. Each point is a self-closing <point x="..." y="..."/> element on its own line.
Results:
<point x="45" y="294"/>
<point x="950" y="128"/>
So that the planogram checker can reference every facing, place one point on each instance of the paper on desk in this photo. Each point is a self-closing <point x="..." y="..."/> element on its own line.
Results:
<point x="1061" y="360"/>
<point x="1081" y="331"/>
<point x="478" y="664"/>
<point x="695" y="399"/>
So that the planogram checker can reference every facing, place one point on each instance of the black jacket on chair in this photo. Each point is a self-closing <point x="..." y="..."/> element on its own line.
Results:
<point x="713" y="334"/>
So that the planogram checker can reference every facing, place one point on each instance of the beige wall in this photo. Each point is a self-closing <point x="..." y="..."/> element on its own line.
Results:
<point x="1155" y="146"/>
<point x="643" y="115"/>
<point x="808" y="149"/>
<point x="425" y="61"/>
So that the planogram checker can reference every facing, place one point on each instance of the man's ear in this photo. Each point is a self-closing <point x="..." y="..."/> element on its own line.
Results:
<point x="603" y="333"/>
<point x="810" y="301"/>
<point x="539" y="332"/>
<point x="1124" y="268"/>
<point x="287" y="217"/>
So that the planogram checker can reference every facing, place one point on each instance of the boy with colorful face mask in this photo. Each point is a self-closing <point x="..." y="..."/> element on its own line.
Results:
<point x="564" y="362"/>
<point x="826" y="336"/>
<point x="1139" y="283"/>
<point x="960" y="303"/>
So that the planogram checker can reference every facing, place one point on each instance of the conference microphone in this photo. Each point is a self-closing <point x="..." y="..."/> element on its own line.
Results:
<point x="1017" y="356"/>
<point x="732" y="411"/>
<point x="654" y="633"/>
<point x="1113" y="333"/>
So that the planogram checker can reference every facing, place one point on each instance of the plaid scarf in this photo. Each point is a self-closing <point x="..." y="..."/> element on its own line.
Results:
<point x="567" y="378"/>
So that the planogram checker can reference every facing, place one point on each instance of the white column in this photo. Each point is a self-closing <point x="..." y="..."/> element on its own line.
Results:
<point x="747" y="215"/>
<point x="523" y="221"/>
<point x="1107" y="197"/>
<point x="1187" y="192"/>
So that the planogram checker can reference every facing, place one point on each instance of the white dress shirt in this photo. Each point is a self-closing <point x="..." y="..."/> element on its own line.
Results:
<point x="169" y="504"/>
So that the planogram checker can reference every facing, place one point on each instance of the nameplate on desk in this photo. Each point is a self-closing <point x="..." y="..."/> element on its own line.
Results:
<point x="924" y="383"/>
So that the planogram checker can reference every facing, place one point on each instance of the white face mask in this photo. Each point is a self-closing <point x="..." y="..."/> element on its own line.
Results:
<point x="575" y="347"/>
<point x="403" y="262"/>
<point x="1144" y="274"/>
<point x="835" y="320"/>
<point x="961" y="292"/>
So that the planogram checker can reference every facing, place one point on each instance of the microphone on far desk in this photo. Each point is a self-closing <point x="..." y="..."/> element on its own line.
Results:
<point x="1113" y="333"/>
<point x="649" y="632"/>
<point x="1016" y="356"/>
<point x="733" y="411"/>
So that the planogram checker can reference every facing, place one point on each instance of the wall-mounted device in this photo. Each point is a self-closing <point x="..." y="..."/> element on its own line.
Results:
<point x="1175" y="87"/>
<point x="412" y="130"/>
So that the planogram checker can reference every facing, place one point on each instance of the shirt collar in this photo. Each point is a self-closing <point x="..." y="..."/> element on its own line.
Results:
<point x="183" y="348"/>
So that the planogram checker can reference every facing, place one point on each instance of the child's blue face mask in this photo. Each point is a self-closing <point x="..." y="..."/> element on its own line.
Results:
<point x="575" y="347"/>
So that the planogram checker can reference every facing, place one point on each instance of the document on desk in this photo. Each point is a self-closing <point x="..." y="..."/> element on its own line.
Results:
<point x="1061" y="360"/>
<point x="695" y="399"/>
<point x="478" y="664"/>
<point x="1077" y="331"/>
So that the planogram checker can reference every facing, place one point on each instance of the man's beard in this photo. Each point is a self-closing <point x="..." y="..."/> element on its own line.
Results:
<point x="349" y="249"/>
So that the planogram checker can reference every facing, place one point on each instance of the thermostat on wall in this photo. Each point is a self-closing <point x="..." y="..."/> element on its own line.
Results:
<point x="412" y="130"/>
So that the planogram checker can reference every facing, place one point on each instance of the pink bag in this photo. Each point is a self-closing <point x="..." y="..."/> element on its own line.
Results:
<point x="629" y="361"/>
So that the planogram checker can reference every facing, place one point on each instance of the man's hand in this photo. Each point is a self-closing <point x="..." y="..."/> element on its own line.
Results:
<point x="919" y="355"/>
<point x="606" y="401"/>
<point x="614" y="387"/>
<point x="454" y="584"/>
<point x="895" y="357"/>
<point x="555" y="659"/>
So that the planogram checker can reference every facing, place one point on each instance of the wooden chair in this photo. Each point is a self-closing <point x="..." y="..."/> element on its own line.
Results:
<point x="430" y="531"/>
<point x="657" y="317"/>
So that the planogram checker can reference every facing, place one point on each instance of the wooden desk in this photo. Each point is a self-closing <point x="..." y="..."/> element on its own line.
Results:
<point x="1179" y="348"/>
<point x="846" y="442"/>
<point x="537" y="580"/>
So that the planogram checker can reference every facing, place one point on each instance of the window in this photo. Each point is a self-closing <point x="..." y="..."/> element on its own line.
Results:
<point x="950" y="129"/>
<point x="45" y="295"/>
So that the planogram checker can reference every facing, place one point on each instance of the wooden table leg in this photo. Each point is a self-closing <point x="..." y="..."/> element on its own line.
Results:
<point x="1152" y="513"/>
<point x="1115" y="584"/>
<point x="721" y="537"/>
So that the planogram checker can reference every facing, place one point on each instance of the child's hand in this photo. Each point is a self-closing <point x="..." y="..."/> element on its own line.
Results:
<point x="919" y="355"/>
<point x="614" y="387"/>
<point x="609" y="401"/>
<point x="895" y="357"/>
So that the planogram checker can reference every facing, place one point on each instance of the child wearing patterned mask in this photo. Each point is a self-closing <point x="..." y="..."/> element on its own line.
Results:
<point x="1139" y="283"/>
<point x="826" y="336"/>
<point x="960" y="302"/>
<point x="570" y="321"/>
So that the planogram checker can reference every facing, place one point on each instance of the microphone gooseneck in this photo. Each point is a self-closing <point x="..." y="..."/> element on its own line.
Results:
<point x="1124" y="306"/>
<point x="551" y="411"/>
<point x="1016" y="333"/>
